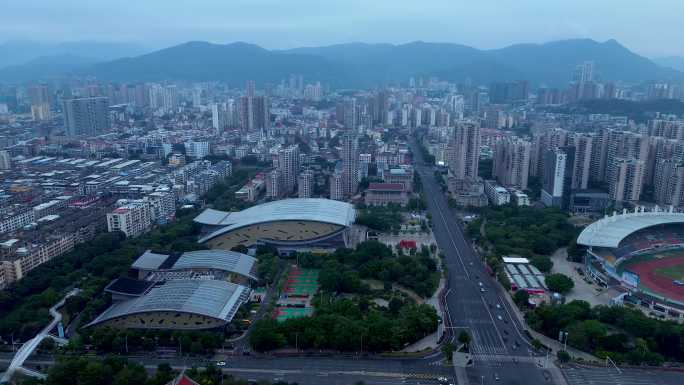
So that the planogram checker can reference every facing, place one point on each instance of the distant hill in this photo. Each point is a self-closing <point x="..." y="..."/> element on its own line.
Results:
<point x="637" y="111"/>
<point x="364" y="65"/>
<point x="554" y="62"/>
<point x="45" y="68"/>
<point x="14" y="53"/>
<point x="200" y="61"/>
<point x="676" y="62"/>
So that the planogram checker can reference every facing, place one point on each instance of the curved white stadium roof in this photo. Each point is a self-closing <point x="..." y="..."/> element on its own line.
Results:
<point x="218" y="260"/>
<point x="301" y="209"/>
<point x="211" y="298"/>
<point x="611" y="230"/>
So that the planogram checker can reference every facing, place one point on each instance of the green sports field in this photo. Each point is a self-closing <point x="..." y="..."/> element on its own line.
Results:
<point x="672" y="272"/>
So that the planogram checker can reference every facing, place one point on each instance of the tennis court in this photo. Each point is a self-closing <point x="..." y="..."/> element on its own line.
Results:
<point x="300" y="286"/>
<point x="301" y="282"/>
<point x="285" y="313"/>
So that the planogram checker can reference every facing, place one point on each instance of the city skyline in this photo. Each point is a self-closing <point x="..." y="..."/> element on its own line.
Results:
<point x="276" y="25"/>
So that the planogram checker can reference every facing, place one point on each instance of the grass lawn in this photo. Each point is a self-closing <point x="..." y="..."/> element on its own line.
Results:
<point x="672" y="272"/>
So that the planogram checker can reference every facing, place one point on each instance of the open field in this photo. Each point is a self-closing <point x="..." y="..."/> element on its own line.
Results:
<point x="657" y="271"/>
<point x="672" y="272"/>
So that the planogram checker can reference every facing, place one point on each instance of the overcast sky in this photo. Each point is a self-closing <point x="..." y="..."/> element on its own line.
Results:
<point x="651" y="27"/>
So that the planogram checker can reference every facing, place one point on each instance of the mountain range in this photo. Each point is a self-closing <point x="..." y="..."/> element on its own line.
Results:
<point x="20" y="52"/>
<point x="363" y="65"/>
<point x="676" y="62"/>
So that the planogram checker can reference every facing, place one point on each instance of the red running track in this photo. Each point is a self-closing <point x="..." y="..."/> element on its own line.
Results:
<point x="657" y="283"/>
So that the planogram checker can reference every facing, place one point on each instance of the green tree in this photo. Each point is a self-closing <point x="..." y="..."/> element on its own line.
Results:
<point x="544" y="264"/>
<point x="521" y="298"/>
<point x="130" y="374"/>
<point x="265" y="336"/>
<point x="448" y="349"/>
<point x="537" y="344"/>
<point x="559" y="283"/>
<point x="464" y="338"/>
<point x="563" y="356"/>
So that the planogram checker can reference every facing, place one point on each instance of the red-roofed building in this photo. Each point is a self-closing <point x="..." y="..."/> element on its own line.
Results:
<point x="182" y="379"/>
<point x="380" y="194"/>
<point x="407" y="244"/>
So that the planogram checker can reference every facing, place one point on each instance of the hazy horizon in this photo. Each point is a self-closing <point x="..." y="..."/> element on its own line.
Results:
<point x="275" y="24"/>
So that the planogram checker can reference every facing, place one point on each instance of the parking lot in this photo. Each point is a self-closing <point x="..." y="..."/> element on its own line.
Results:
<point x="583" y="290"/>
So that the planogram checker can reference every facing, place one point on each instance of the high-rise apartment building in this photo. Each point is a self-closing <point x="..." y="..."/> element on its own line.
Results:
<point x="661" y="149"/>
<point x="627" y="145"/>
<point x="274" y="184"/>
<point x="196" y="149"/>
<point x="346" y="113"/>
<point x="39" y="96"/>
<point x="86" y="116"/>
<point x="669" y="183"/>
<point x="254" y="113"/>
<point x="305" y="184"/>
<point x="337" y="185"/>
<point x="511" y="163"/>
<point x="288" y="168"/>
<point x="625" y="179"/>
<point x="350" y="163"/>
<point x="557" y="176"/>
<point x="133" y="218"/>
<point x="581" y="168"/>
<point x="5" y="160"/>
<point x="541" y="142"/>
<point x="364" y="165"/>
<point x="250" y="90"/>
<point x="463" y="152"/>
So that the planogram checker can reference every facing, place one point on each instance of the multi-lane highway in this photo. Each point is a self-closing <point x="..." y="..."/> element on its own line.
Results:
<point x="475" y="301"/>
<point x="302" y="370"/>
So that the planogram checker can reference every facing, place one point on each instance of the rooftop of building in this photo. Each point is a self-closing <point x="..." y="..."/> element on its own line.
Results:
<point x="209" y="298"/>
<point x="230" y="261"/>
<point x="611" y="230"/>
<point x="386" y="187"/>
<point x="299" y="209"/>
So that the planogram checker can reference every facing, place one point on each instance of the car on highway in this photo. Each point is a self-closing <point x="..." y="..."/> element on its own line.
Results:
<point x="482" y="290"/>
<point x="498" y="306"/>
<point x="499" y="317"/>
<point x="221" y="363"/>
<point x="479" y="284"/>
<point x="496" y="377"/>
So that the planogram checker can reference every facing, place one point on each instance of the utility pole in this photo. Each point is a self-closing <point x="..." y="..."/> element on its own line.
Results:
<point x="547" y="358"/>
<point x="563" y="335"/>
<point x="361" y="344"/>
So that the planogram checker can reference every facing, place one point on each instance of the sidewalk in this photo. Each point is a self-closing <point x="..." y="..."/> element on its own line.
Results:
<point x="431" y="341"/>
<point x="551" y="343"/>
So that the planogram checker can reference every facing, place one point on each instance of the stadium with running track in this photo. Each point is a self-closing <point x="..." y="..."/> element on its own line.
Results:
<point x="641" y="253"/>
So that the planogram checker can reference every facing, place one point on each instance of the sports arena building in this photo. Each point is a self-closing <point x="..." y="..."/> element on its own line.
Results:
<point x="190" y="291"/>
<point x="631" y="252"/>
<point x="308" y="224"/>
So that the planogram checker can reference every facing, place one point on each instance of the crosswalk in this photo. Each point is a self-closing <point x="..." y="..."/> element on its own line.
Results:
<point x="485" y="342"/>
<point x="609" y="376"/>
<point x="487" y="349"/>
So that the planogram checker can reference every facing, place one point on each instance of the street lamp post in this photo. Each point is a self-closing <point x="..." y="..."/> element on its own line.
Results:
<point x="563" y="338"/>
<point x="361" y="344"/>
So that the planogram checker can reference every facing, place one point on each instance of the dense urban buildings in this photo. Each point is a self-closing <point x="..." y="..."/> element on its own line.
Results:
<point x="259" y="174"/>
<point x="86" y="116"/>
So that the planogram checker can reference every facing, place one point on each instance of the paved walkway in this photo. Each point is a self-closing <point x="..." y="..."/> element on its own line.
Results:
<point x="431" y="341"/>
<point x="551" y="343"/>
<point x="582" y="291"/>
<point x="30" y="346"/>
